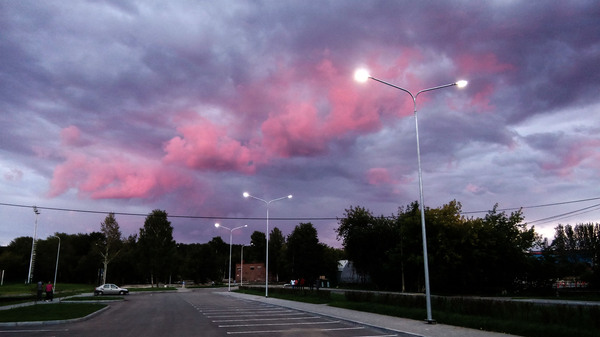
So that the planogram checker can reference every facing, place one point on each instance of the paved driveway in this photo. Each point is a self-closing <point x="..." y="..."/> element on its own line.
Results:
<point x="201" y="312"/>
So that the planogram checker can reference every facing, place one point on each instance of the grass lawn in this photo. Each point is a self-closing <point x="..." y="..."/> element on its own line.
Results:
<point x="49" y="312"/>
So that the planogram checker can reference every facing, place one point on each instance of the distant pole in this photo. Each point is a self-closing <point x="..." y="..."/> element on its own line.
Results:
<point x="31" y="258"/>
<point x="217" y="225"/>
<point x="56" y="267"/>
<point x="242" y="267"/>
<point x="248" y="195"/>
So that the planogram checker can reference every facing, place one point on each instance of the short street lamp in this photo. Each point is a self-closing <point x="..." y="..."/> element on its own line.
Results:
<point x="230" y="240"/>
<point x="362" y="75"/>
<point x="247" y="195"/>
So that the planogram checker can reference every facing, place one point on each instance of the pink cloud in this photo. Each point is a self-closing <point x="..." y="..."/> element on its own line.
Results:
<point x="207" y="146"/>
<point x="295" y="131"/>
<point x="379" y="176"/>
<point x="576" y="155"/>
<point x="71" y="136"/>
<point x="475" y="189"/>
<point x="483" y="64"/>
<point x="113" y="177"/>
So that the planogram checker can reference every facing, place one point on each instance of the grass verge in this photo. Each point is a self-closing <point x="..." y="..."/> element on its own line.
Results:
<point x="49" y="312"/>
<point x="505" y="316"/>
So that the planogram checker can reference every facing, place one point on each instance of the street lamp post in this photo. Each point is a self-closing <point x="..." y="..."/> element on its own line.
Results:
<point x="230" y="240"/>
<point x="248" y="195"/>
<point x="56" y="267"/>
<point x="362" y="75"/>
<point x="242" y="267"/>
<point x="31" y="258"/>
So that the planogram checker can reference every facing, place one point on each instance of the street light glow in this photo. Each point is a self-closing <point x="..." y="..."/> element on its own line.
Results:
<point x="462" y="83"/>
<point x="361" y="75"/>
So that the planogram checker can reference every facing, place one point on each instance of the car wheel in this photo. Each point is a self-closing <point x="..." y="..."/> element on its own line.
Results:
<point x="121" y="293"/>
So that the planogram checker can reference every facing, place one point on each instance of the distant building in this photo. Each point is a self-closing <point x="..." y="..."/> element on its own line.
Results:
<point x="348" y="274"/>
<point x="253" y="273"/>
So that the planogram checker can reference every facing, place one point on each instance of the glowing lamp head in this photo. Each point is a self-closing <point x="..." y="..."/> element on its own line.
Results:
<point x="289" y="196"/>
<point x="361" y="75"/>
<point x="246" y="194"/>
<point x="461" y="83"/>
<point x="217" y="225"/>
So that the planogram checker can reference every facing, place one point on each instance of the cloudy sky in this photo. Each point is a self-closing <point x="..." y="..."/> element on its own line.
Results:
<point x="129" y="106"/>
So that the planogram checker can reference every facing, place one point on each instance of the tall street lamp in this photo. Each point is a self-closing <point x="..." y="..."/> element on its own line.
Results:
<point x="56" y="267"/>
<point x="32" y="256"/>
<point x="248" y="195"/>
<point x="362" y="75"/>
<point x="230" y="240"/>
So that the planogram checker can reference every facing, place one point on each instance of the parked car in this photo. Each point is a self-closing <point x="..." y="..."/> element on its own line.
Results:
<point x="110" y="289"/>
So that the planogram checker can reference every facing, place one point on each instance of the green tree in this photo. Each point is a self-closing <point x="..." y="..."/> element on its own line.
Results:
<point x="276" y="252"/>
<point x="304" y="252"/>
<point x="111" y="245"/>
<point x="124" y="267"/>
<point x="15" y="259"/>
<point x="256" y="252"/>
<point x="156" y="246"/>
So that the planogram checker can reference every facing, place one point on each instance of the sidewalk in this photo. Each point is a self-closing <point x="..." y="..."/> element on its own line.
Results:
<point x="403" y="326"/>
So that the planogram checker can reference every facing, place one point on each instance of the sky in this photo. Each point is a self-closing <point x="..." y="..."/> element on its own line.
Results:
<point x="131" y="106"/>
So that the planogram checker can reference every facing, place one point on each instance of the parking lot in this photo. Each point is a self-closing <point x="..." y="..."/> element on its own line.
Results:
<point x="241" y="317"/>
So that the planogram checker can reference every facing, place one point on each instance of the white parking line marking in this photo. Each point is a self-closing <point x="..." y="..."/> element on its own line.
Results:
<point x="261" y="332"/>
<point x="276" y="324"/>
<point x="264" y="319"/>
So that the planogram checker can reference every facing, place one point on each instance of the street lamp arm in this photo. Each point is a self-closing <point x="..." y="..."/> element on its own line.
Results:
<point x="239" y="227"/>
<point x="435" y="88"/>
<point x="395" y="86"/>
<point x="286" y="197"/>
<point x="247" y="195"/>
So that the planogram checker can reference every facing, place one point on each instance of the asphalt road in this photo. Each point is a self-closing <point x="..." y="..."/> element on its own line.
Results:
<point x="201" y="312"/>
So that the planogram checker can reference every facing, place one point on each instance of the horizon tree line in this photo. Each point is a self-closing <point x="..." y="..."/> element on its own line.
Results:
<point x="466" y="254"/>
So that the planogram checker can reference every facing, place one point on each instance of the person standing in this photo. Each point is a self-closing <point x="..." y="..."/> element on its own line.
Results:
<point x="40" y="289"/>
<point x="49" y="291"/>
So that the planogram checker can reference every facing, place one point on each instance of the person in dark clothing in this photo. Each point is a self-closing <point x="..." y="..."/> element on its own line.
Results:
<point x="40" y="289"/>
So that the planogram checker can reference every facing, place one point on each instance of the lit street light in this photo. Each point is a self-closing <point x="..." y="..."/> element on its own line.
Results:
<point x="32" y="256"/>
<point x="247" y="195"/>
<point x="362" y="75"/>
<point x="230" y="240"/>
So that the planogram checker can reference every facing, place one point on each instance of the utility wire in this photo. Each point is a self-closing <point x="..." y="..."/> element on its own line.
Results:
<point x="558" y="216"/>
<point x="170" y="215"/>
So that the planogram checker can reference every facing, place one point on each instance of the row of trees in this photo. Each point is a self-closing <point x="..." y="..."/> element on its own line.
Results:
<point x="153" y="256"/>
<point x="492" y="254"/>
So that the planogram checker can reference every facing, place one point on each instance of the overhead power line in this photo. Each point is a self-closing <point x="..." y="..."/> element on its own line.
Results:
<point x="554" y="217"/>
<point x="170" y="215"/>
